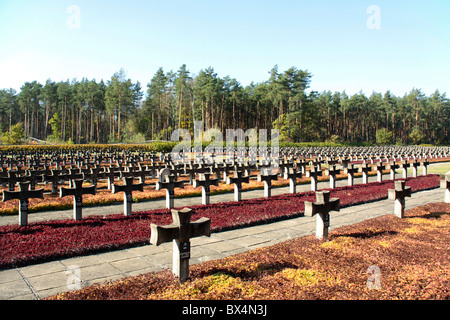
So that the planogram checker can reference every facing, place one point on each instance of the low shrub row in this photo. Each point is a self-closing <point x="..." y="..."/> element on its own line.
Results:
<point x="58" y="239"/>
<point x="153" y="146"/>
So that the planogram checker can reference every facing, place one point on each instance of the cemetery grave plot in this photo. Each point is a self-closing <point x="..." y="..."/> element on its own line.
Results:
<point x="412" y="255"/>
<point x="104" y="196"/>
<point x="51" y="240"/>
<point x="180" y="233"/>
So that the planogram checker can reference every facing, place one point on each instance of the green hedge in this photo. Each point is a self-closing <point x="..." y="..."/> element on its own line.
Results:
<point x="154" y="146"/>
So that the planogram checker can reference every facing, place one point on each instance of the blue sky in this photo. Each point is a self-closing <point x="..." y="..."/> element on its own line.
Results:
<point x="242" y="39"/>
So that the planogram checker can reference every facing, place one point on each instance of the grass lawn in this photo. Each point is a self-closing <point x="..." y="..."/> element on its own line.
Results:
<point x="440" y="168"/>
<point x="437" y="168"/>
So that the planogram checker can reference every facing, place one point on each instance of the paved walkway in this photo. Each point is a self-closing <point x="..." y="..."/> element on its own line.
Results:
<point x="42" y="280"/>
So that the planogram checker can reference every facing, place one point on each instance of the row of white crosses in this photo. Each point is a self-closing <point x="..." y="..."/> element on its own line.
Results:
<point x="289" y="171"/>
<point x="130" y="161"/>
<point x="77" y="191"/>
<point x="169" y="182"/>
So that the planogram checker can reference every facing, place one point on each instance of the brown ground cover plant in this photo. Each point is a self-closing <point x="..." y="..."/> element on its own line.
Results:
<point x="412" y="254"/>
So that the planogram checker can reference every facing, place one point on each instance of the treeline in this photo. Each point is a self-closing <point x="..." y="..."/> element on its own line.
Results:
<point x="89" y="111"/>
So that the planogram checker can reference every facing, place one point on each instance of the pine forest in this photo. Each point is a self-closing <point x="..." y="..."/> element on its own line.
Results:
<point x="120" y="110"/>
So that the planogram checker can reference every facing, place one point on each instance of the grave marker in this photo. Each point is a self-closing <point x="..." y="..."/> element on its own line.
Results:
<point x="11" y="179"/>
<point x="350" y="171"/>
<point x="398" y="194"/>
<point x="302" y="164"/>
<point x="315" y="163"/>
<point x="237" y="180"/>
<point x="180" y="232"/>
<point x="77" y="192"/>
<point x="365" y="168"/>
<point x="445" y="184"/>
<point x="168" y="182"/>
<point x="424" y="163"/>
<point x="205" y="182"/>
<point x="142" y="173"/>
<point x="322" y="208"/>
<point x="344" y="161"/>
<point x="380" y="167"/>
<point x="267" y="178"/>
<point x="74" y="174"/>
<point x="190" y="170"/>
<point x="332" y="172"/>
<point x="24" y="194"/>
<point x="54" y="177"/>
<point x="110" y="174"/>
<point x="314" y="174"/>
<point x="392" y="167"/>
<point x="292" y="174"/>
<point x="216" y="168"/>
<point x="404" y="166"/>
<point x="92" y="174"/>
<point x="226" y="170"/>
<point x="32" y="177"/>
<point x="127" y="190"/>
<point x="415" y="164"/>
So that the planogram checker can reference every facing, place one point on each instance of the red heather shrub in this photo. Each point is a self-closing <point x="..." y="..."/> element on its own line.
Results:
<point x="58" y="239"/>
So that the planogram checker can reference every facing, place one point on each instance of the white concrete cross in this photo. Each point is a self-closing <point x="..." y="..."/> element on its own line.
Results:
<point x="168" y="182"/>
<point x="350" y="172"/>
<point x="292" y="174"/>
<point x="404" y="166"/>
<point x="380" y="167"/>
<point x="445" y="184"/>
<point x="332" y="171"/>
<point x="392" y="167"/>
<point x="398" y="194"/>
<point x="267" y="177"/>
<point x="365" y="168"/>
<point x="237" y="180"/>
<point x="424" y="163"/>
<point x="77" y="192"/>
<point x="24" y="194"/>
<point x="314" y="174"/>
<point x="205" y="182"/>
<point x="180" y="232"/>
<point x="415" y="164"/>
<point x="127" y="188"/>
<point x="322" y="208"/>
